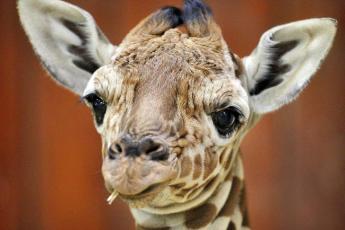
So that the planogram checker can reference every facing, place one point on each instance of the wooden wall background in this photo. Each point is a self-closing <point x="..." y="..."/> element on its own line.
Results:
<point x="50" y="153"/>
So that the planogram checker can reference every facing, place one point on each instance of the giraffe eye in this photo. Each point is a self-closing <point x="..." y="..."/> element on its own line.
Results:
<point x="98" y="105"/>
<point x="226" y="120"/>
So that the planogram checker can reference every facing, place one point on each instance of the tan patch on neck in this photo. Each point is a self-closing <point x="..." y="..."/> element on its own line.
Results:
<point x="233" y="199"/>
<point x="201" y="216"/>
<point x="231" y="226"/>
<point x="243" y="207"/>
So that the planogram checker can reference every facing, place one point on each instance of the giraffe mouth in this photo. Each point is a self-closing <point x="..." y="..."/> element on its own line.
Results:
<point x="137" y="179"/>
<point x="149" y="191"/>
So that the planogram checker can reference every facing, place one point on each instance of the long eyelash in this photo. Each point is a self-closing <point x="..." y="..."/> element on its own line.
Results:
<point x="81" y="100"/>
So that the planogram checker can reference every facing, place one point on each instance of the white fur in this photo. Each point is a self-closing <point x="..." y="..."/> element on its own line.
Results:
<point x="315" y="37"/>
<point x="50" y="39"/>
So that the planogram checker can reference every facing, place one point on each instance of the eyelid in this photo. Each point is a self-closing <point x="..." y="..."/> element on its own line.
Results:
<point x="216" y="107"/>
<point x="84" y="98"/>
<point x="225" y="105"/>
<point x="222" y="106"/>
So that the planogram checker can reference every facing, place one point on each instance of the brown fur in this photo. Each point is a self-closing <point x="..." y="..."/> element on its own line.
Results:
<point x="197" y="167"/>
<point x="200" y="216"/>
<point x="233" y="198"/>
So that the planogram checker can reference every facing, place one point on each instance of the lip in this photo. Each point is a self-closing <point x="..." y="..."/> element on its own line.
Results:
<point x="148" y="192"/>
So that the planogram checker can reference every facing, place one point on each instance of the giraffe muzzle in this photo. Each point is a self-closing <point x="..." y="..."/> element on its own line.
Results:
<point x="134" y="167"/>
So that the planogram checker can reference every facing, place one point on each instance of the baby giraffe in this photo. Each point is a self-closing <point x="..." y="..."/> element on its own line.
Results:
<point x="172" y="107"/>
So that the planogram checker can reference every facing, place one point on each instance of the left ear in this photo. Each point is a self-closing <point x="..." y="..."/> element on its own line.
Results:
<point x="66" y="39"/>
<point x="284" y="61"/>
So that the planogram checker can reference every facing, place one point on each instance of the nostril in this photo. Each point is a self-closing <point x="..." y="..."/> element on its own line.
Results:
<point x="161" y="155"/>
<point x="155" y="150"/>
<point x="148" y="146"/>
<point x="118" y="148"/>
<point x="114" y="150"/>
<point x="154" y="147"/>
<point x="111" y="154"/>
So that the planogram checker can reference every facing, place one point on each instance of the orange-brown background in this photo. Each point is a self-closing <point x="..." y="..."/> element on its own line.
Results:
<point x="50" y="153"/>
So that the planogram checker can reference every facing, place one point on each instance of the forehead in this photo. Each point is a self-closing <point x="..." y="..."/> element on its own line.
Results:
<point x="170" y="65"/>
<point x="188" y="55"/>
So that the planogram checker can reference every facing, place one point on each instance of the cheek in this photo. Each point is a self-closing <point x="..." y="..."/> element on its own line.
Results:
<point x="104" y="148"/>
<point x="211" y="162"/>
<point x="199" y="163"/>
<point x="110" y="130"/>
<point x="204" y="152"/>
<point x="200" y="167"/>
<point x="197" y="156"/>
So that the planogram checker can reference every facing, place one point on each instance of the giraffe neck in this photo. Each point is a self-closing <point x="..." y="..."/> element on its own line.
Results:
<point x="224" y="209"/>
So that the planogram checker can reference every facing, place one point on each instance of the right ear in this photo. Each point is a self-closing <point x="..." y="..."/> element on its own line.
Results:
<point x="66" y="39"/>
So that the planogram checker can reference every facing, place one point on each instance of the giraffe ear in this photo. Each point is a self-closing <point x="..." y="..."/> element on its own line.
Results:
<point x="285" y="59"/>
<point x="66" y="39"/>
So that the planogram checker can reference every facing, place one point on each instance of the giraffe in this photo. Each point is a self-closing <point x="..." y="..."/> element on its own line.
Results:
<point x="172" y="107"/>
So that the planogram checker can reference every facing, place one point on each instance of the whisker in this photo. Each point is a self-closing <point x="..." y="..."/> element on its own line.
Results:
<point x="112" y="197"/>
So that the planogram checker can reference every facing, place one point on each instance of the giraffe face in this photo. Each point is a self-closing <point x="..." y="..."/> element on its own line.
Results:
<point x="171" y="107"/>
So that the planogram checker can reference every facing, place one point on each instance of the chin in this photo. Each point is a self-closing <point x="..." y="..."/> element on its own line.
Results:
<point x="145" y="198"/>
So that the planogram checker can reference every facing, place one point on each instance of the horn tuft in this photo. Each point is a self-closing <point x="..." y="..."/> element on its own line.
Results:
<point x="165" y="18"/>
<point x="197" y="16"/>
<point x="171" y="14"/>
<point x="157" y="23"/>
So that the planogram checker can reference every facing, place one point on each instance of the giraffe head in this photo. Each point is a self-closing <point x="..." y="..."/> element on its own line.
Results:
<point x="172" y="107"/>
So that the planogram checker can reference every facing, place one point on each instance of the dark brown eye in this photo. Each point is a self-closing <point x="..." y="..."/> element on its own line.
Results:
<point x="226" y="120"/>
<point x="98" y="105"/>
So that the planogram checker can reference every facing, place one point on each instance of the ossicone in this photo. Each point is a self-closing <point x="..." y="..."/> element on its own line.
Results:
<point x="198" y="18"/>
<point x="158" y="22"/>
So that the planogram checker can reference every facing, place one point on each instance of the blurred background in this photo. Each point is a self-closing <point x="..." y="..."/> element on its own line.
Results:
<point x="50" y="160"/>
